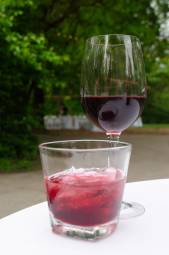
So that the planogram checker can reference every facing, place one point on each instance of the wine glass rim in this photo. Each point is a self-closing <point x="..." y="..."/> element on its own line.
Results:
<point x="112" y="35"/>
<point x="46" y="145"/>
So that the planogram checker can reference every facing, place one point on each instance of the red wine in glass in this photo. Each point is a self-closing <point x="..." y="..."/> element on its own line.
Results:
<point x="113" y="114"/>
<point x="113" y="86"/>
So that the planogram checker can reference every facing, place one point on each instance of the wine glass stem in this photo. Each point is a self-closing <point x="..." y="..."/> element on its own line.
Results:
<point x="113" y="141"/>
<point x="113" y="137"/>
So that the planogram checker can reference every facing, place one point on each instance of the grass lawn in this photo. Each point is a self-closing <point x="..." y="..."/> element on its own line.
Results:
<point x="156" y="126"/>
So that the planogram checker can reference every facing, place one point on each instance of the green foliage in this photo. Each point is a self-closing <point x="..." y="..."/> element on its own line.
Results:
<point x="157" y="107"/>
<point x="42" y="43"/>
<point x="27" y="70"/>
<point x="8" y="165"/>
<point x="73" y="105"/>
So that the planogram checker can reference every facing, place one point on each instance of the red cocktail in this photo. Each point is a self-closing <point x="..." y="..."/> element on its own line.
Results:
<point x="85" y="197"/>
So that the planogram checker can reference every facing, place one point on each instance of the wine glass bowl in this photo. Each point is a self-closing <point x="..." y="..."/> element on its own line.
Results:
<point x="113" y="82"/>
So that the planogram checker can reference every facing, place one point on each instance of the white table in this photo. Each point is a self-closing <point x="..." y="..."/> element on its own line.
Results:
<point x="28" y="231"/>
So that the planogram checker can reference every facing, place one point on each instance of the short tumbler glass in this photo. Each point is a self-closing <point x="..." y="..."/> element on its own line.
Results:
<point x="84" y="182"/>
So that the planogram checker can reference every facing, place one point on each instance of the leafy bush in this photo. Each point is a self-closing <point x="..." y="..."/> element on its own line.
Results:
<point x="27" y="72"/>
<point x="8" y="165"/>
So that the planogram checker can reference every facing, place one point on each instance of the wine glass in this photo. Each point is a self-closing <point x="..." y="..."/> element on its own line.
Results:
<point x="113" y="88"/>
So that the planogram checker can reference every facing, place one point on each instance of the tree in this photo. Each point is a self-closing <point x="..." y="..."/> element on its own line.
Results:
<point x="42" y="43"/>
<point x="27" y="68"/>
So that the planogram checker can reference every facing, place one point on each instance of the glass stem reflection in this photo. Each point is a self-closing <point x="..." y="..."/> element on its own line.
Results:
<point x="113" y="139"/>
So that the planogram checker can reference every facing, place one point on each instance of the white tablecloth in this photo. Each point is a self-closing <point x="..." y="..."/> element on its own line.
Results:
<point x="28" y="231"/>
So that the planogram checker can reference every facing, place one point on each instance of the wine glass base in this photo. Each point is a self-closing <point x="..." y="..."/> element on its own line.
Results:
<point x="131" y="210"/>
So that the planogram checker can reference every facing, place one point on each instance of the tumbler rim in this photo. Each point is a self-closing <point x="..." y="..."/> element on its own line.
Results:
<point x="119" y="145"/>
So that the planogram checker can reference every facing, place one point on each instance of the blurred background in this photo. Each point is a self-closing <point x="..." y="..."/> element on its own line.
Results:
<point x="41" y="47"/>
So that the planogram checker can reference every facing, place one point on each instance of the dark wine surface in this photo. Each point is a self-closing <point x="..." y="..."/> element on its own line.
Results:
<point x="113" y="114"/>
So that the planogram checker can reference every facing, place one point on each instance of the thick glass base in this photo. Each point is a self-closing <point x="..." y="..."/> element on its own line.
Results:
<point x="85" y="233"/>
